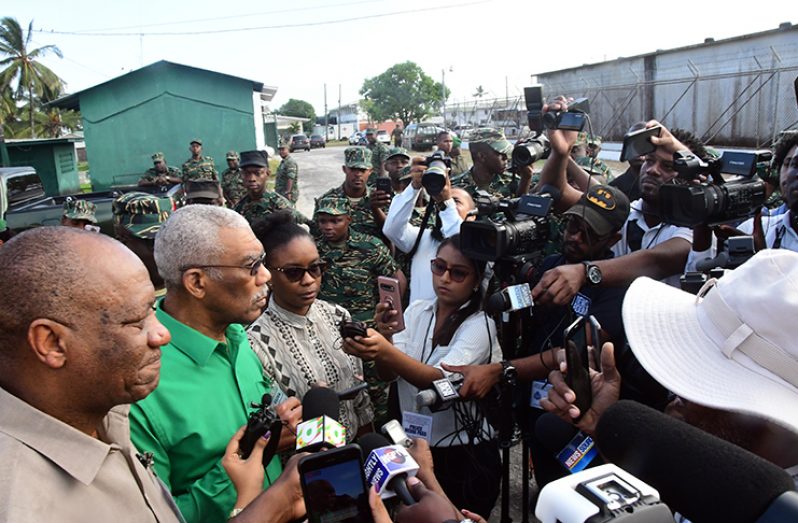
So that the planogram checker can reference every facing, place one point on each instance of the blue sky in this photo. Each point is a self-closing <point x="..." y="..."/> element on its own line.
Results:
<point x="494" y="43"/>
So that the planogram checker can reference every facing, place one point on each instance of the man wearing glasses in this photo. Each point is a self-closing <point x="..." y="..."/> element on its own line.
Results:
<point x="212" y="266"/>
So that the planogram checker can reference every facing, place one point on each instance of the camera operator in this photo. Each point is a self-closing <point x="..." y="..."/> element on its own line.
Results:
<point x="780" y="231"/>
<point x="648" y="247"/>
<point x="453" y="206"/>
<point x="489" y="152"/>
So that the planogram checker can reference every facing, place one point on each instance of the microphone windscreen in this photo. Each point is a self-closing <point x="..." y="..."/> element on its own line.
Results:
<point x="701" y="476"/>
<point x="369" y="442"/>
<point x="497" y="302"/>
<point x="320" y="401"/>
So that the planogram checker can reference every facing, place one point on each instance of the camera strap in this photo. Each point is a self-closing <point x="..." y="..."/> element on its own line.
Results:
<point x="421" y="228"/>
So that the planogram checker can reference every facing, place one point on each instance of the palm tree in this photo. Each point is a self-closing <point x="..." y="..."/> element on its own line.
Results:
<point x="480" y="92"/>
<point x="21" y="65"/>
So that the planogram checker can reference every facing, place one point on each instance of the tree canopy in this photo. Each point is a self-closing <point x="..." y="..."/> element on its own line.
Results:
<point x="300" y="109"/>
<point x="403" y="91"/>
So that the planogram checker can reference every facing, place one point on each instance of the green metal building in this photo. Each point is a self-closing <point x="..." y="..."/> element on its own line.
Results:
<point x="162" y="107"/>
<point x="54" y="159"/>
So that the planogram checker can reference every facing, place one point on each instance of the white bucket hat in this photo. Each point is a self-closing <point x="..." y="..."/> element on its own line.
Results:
<point x="735" y="348"/>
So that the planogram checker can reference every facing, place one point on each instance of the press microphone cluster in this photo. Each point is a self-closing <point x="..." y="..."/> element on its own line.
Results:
<point x="440" y="396"/>
<point x="320" y="427"/>
<point x="388" y="467"/>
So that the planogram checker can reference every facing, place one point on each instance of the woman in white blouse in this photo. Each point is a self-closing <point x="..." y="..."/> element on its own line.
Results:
<point x="451" y="329"/>
<point x="296" y="338"/>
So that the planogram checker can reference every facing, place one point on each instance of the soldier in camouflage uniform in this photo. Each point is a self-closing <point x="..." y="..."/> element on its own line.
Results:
<point x="258" y="201"/>
<point x="232" y="184"/>
<point x="137" y="219"/>
<point x="585" y="154"/>
<point x="354" y="261"/>
<point x="396" y="160"/>
<point x="198" y="167"/>
<point x="367" y="215"/>
<point x="490" y="151"/>
<point x="379" y="153"/>
<point x="79" y="213"/>
<point x="397" y="134"/>
<point x="287" y="182"/>
<point x="459" y="163"/>
<point x="159" y="173"/>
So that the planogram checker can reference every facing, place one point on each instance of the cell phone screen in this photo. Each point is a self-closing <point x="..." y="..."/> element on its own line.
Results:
<point x="337" y="493"/>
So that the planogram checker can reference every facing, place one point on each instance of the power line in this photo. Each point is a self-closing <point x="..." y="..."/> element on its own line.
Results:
<point x="232" y="17"/>
<point x="282" y="26"/>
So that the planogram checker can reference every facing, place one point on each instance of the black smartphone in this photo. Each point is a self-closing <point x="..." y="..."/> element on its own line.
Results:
<point x="334" y="486"/>
<point x="384" y="184"/>
<point x="594" y="340"/>
<point x="577" y="359"/>
<point x="638" y="143"/>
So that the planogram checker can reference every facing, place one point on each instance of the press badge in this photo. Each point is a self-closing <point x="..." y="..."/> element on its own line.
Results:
<point x="540" y="389"/>
<point x="417" y="425"/>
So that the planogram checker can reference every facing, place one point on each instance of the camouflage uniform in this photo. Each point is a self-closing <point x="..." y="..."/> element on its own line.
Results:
<point x="232" y="184"/>
<point x="351" y="282"/>
<point x="397" y="134"/>
<point x="152" y="174"/>
<point x="362" y="218"/>
<point x="503" y="185"/>
<point x="288" y="170"/>
<point x="140" y="213"/>
<point x="459" y="165"/>
<point x="269" y="202"/>
<point x="202" y="168"/>
<point x="80" y="210"/>
<point x="379" y="153"/>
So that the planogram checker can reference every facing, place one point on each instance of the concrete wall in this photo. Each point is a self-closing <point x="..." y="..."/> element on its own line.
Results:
<point x="733" y="92"/>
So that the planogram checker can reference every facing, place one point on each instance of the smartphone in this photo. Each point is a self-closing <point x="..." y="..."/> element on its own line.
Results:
<point x="334" y="486"/>
<point x="638" y="143"/>
<point x="577" y="358"/>
<point x="594" y="340"/>
<point x="384" y="184"/>
<point x="389" y="293"/>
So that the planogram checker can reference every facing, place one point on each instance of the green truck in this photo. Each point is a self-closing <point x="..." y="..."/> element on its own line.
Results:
<point x="25" y="204"/>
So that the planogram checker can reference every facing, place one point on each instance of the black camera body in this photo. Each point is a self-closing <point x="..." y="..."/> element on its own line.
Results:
<point x="527" y="152"/>
<point x="261" y="420"/>
<point x="571" y="120"/>
<point x="434" y="178"/>
<point x="720" y="201"/>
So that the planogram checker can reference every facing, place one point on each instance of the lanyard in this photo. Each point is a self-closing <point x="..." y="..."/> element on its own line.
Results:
<point x="425" y="361"/>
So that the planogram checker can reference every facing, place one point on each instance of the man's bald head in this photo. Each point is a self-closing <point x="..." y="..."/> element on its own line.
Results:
<point x="52" y="272"/>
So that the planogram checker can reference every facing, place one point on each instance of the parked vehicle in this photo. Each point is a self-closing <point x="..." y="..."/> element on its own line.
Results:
<point x="317" y="140"/>
<point x="384" y="137"/>
<point x="354" y="138"/>
<point x="420" y="136"/>
<point x="299" y="141"/>
<point x="28" y="206"/>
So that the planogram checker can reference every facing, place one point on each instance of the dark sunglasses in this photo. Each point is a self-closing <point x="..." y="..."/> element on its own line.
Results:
<point x="439" y="268"/>
<point x="253" y="268"/>
<point x="295" y="274"/>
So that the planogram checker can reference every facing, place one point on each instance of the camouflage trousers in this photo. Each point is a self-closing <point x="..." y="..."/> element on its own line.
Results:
<point x="378" y="392"/>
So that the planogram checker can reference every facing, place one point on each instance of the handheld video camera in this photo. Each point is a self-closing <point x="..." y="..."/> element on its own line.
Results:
<point x="720" y="201"/>
<point x="434" y="178"/>
<point x="572" y="120"/>
<point x="261" y="420"/>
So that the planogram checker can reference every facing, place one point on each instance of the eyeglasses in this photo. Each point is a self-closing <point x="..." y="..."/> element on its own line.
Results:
<point x="439" y="268"/>
<point x="294" y="274"/>
<point x="253" y="268"/>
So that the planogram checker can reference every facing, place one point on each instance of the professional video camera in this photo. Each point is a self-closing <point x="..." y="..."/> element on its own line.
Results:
<point x="721" y="201"/>
<point x="434" y="178"/>
<point x="524" y="230"/>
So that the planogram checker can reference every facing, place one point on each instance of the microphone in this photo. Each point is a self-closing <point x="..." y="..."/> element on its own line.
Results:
<point x="599" y="494"/>
<point x="441" y="396"/>
<point x="703" y="477"/>
<point x="572" y="448"/>
<point x="512" y="298"/>
<point x="388" y="467"/>
<point x="320" y="428"/>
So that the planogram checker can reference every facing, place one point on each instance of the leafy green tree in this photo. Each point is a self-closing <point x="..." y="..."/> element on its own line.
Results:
<point x="403" y="91"/>
<point x="21" y="65"/>
<point x="300" y="109"/>
<point x="55" y="122"/>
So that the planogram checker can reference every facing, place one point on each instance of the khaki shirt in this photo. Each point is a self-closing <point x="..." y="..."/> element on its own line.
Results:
<point x="53" y="472"/>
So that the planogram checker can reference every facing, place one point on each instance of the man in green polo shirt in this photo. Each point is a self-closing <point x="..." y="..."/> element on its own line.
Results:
<point x="212" y="265"/>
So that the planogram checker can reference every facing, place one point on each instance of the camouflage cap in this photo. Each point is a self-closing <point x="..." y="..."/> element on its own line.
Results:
<point x="283" y="144"/>
<point x="80" y="210"/>
<point x="332" y="205"/>
<point x="140" y="213"/>
<point x="581" y="138"/>
<point x="232" y="155"/>
<point x="157" y="157"/>
<point x="195" y="140"/>
<point x="358" y="157"/>
<point x="404" y="173"/>
<point x="492" y="137"/>
<point x="397" y="151"/>
<point x="594" y="140"/>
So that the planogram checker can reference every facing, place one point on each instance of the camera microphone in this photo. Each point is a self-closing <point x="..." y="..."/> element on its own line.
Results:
<point x="320" y="428"/>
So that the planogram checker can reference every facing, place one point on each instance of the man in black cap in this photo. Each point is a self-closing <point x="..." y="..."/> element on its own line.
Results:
<point x="259" y="202"/>
<point x="206" y="192"/>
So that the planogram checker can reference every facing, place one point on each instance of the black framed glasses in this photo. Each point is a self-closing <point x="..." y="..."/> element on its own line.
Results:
<point x="439" y="268"/>
<point x="253" y="268"/>
<point x="294" y="274"/>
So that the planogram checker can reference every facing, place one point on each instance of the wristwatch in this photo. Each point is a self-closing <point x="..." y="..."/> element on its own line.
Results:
<point x="509" y="373"/>
<point x="592" y="273"/>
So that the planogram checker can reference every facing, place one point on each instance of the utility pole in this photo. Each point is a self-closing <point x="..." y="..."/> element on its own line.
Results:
<point x="326" y="116"/>
<point x="339" y="111"/>
<point x="443" y="95"/>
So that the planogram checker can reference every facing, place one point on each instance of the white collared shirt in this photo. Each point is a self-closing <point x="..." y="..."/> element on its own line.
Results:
<point x="775" y="226"/>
